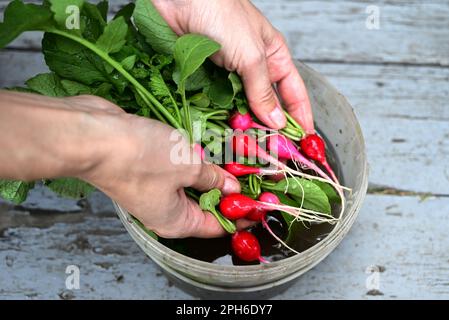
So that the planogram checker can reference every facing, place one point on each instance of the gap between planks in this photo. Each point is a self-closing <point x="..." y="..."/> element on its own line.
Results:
<point x="321" y="61"/>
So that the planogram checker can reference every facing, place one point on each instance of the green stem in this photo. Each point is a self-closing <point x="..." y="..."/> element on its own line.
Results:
<point x="217" y="112"/>
<point x="293" y="137"/>
<point x="267" y="184"/>
<point x="215" y="127"/>
<point x="150" y="105"/>
<point x="223" y="124"/>
<point x="219" y="118"/>
<point x="227" y="224"/>
<point x="175" y="106"/>
<point x="120" y="69"/>
<point x="295" y="124"/>
<point x="186" y="111"/>
<point x="191" y="193"/>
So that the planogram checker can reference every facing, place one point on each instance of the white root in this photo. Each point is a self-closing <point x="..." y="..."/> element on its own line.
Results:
<point x="336" y="186"/>
<point x="266" y="226"/>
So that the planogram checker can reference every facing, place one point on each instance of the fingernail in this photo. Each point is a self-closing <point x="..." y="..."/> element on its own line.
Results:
<point x="278" y="117"/>
<point x="231" y="186"/>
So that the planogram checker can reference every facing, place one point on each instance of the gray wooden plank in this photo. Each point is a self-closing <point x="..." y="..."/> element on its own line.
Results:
<point x="410" y="31"/>
<point x="403" y="237"/>
<point x="402" y="111"/>
<point x="17" y="67"/>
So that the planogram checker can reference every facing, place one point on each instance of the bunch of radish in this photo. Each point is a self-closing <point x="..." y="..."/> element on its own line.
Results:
<point x="310" y="155"/>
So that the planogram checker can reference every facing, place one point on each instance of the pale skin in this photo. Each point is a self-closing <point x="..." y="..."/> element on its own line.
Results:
<point x="128" y="157"/>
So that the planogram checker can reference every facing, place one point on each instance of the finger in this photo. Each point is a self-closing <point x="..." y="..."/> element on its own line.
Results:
<point x="296" y="100"/>
<point x="212" y="176"/>
<point x="203" y="224"/>
<point x="261" y="96"/>
<point x="243" y="224"/>
<point x="290" y="85"/>
<point x="198" y="223"/>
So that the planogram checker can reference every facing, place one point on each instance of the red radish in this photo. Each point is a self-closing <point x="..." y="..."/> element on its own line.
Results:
<point x="238" y="170"/>
<point x="244" y="122"/>
<point x="269" y="197"/>
<point x="286" y="149"/>
<point x="258" y="211"/>
<point x="246" y="246"/>
<point x="237" y="206"/>
<point x="280" y="175"/>
<point x="314" y="147"/>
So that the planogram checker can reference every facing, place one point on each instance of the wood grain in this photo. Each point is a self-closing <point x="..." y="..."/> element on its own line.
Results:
<point x="400" y="237"/>
<point x="410" y="32"/>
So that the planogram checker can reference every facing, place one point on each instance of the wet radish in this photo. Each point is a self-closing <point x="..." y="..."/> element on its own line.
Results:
<point x="314" y="148"/>
<point x="259" y="214"/>
<point x="236" y="206"/>
<point x="245" y="145"/>
<point x="244" y="122"/>
<point x="238" y="170"/>
<point x="246" y="246"/>
<point x="286" y="150"/>
<point x="255" y="210"/>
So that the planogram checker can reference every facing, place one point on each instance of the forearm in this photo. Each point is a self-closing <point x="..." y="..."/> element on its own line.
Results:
<point x="42" y="137"/>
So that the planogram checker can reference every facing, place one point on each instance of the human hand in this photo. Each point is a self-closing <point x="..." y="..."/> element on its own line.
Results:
<point x="144" y="172"/>
<point x="253" y="48"/>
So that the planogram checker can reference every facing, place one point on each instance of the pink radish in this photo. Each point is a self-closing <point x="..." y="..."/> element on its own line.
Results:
<point x="244" y="122"/>
<point x="259" y="214"/>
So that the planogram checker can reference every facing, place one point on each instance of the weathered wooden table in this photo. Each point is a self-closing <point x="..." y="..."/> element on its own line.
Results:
<point x="397" y="79"/>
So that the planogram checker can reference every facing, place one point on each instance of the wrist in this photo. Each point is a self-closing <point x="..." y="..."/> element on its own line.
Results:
<point x="90" y="140"/>
<point x="108" y="149"/>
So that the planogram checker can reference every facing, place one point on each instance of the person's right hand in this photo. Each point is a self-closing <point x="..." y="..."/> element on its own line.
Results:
<point x="253" y="48"/>
<point x="143" y="173"/>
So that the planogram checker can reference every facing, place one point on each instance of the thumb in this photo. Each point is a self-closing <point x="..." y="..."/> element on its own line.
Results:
<point x="261" y="96"/>
<point x="198" y="223"/>
<point x="212" y="176"/>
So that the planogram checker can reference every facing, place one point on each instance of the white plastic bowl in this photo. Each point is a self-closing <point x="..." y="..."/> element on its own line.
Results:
<point x="336" y="120"/>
